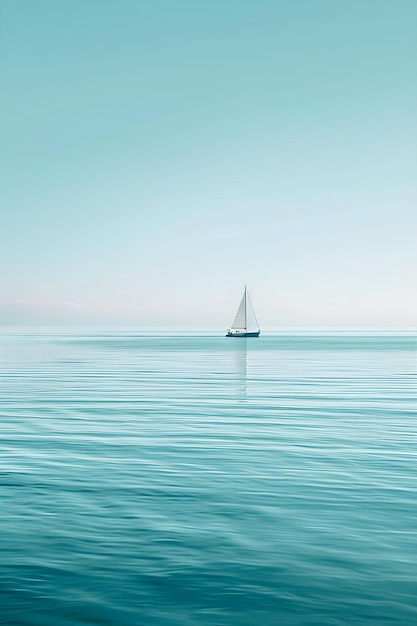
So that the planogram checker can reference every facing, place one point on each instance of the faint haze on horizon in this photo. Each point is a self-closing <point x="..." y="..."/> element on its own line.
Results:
<point x="159" y="155"/>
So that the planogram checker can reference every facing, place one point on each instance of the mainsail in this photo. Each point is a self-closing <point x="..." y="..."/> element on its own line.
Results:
<point x="245" y="319"/>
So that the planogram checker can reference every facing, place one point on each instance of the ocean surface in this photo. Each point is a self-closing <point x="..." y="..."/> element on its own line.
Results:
<point x="192" y="479"/>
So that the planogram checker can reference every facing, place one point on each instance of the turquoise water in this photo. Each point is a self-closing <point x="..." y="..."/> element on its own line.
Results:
<point x="164" y="480"/>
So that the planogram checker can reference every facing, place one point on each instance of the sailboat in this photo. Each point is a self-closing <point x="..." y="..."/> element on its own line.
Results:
<point x="245" y="323"/>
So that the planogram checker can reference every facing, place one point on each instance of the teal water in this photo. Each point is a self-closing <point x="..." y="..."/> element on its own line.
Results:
<point x="164" y="480"/>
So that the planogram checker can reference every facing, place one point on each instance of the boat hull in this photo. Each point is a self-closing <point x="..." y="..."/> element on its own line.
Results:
<point x="254" y="334"/>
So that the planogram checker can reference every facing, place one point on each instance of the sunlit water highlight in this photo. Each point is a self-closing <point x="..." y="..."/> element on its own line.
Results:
<point x="164" y="480"/>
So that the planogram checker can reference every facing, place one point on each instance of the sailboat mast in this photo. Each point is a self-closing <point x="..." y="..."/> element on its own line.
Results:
<point x="246" y="308"/>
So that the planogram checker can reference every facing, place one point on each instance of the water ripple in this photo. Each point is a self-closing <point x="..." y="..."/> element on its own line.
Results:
<point x="188" y="480"/>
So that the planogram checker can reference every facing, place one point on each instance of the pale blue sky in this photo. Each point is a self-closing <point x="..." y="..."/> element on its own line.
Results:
<point x="158" y="154"/>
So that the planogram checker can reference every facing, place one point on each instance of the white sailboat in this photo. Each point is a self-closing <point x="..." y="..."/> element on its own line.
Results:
<point x="245" y="323"/>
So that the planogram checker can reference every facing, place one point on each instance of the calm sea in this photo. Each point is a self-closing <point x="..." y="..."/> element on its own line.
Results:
<point x="192" y="480"/>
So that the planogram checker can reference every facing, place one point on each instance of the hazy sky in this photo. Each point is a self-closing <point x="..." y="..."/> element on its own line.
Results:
<point x="159" y="154"/>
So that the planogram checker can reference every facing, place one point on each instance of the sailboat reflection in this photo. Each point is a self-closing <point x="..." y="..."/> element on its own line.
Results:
<point x="240" y="350"/>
